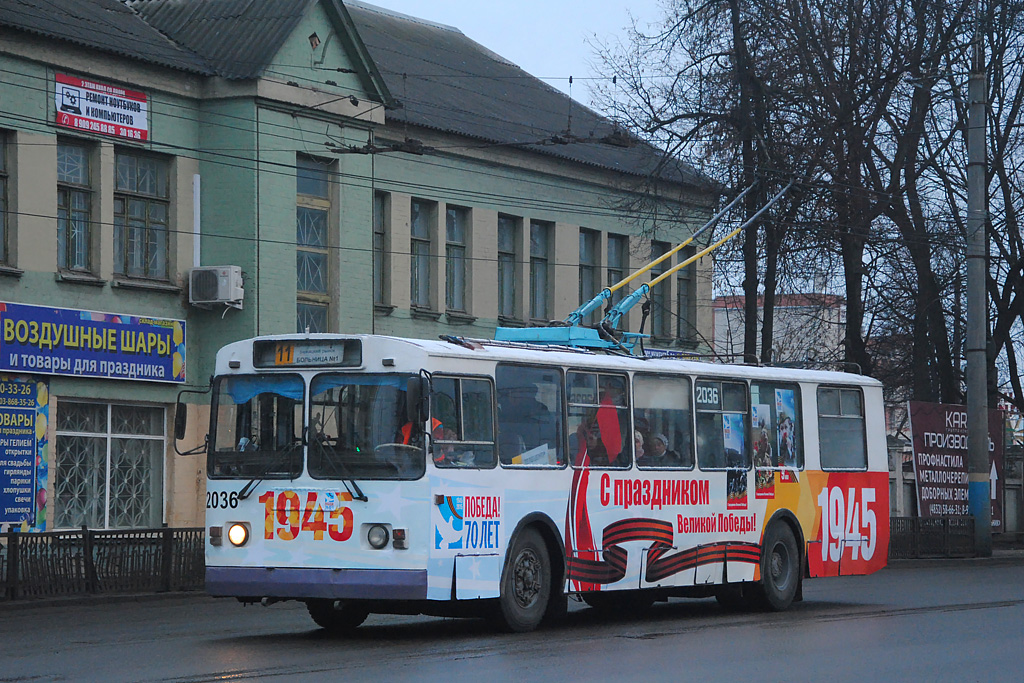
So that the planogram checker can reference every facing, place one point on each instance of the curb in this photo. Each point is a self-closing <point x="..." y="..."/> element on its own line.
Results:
<point x="95" y="599"/>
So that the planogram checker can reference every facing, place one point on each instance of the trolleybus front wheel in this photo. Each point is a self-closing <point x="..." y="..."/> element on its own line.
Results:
<point x="780" y="568"/>
<point x="336" y="615"/>
<point x="525" y="583"/>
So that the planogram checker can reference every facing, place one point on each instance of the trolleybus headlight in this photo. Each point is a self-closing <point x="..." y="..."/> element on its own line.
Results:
<point x="377" y="536"/>
<point x="238" y="534"/>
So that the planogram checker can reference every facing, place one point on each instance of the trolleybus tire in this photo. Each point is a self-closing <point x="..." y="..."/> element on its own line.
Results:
<point x="336" y="616"/>
<point x="525" y="583"/>
<point x="780" y="568"/>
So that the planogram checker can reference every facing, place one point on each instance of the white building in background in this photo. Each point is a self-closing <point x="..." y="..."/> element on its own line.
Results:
<point x="809" y="328"/>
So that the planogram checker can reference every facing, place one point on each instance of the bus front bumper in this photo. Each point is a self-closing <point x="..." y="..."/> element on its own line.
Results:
<point x="336" y="584"/>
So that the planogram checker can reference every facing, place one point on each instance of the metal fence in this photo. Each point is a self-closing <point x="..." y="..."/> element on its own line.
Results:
<point x="57" y="563"/>
<point x="911" y="537"/>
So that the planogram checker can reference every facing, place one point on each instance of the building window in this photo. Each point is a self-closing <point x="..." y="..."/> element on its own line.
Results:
<point x="618" y="260"/>
<point x="381" y="263"/>
<point x="590" y="268"/>
<point x="3" y="197"/>
<point x="508" y="238"/>
<point x="659" y="293"/>
<point x="312" y="218"/>
<point x="74" y="206"/>
<point x="141" y="210"/>
<point x="686" y="299"/>
<point x="422" y="221"/>
<point x="109" y="466"/>
<point x="540" y="258"/>
<point x="456" y="224"/>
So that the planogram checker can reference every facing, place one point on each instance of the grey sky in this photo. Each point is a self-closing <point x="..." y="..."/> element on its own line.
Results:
<point x="546" y="38"/>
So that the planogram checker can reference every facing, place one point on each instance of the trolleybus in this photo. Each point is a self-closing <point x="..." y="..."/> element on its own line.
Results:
<point x="368" y="474"/>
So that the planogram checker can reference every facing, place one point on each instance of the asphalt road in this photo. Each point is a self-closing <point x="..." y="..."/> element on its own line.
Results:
<point x="958" y="621"/>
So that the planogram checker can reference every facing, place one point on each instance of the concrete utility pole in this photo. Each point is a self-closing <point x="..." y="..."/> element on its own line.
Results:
<point x="977" y="307"/>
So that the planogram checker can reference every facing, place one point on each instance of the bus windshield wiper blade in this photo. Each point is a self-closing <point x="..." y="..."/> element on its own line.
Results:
<point x="257" y="479"/>
<point x="347" y="478"/>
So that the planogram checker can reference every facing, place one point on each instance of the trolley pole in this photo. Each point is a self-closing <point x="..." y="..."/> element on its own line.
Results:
<point x="977" y="309"/>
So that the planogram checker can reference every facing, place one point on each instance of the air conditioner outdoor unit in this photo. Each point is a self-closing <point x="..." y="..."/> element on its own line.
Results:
<point x="210" y="285"/>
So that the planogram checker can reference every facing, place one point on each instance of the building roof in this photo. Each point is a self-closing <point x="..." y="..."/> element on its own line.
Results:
<point x="106" y="25"/>
<point x="448" y="82"/>
<point x="442" y="80"/>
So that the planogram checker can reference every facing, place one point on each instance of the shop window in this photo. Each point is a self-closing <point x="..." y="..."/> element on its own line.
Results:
<point x="109" y="466"/>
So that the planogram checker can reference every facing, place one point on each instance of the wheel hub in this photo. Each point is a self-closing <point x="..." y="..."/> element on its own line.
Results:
<point x="527" y="578"/>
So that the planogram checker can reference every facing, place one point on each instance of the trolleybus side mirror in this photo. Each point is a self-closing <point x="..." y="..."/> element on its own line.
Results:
<point x="414" y="406"/>
<point x="180" y="420"/>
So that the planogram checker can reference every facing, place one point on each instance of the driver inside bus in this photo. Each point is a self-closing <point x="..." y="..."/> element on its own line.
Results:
<point x="411" y="431"/>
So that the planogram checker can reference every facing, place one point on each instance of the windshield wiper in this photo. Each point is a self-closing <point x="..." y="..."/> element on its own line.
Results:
<point x="247" y="490"/>
<point x="347" y="478"/>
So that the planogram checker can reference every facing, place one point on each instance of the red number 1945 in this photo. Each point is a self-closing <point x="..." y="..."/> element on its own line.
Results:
<point x="285" y="516"/>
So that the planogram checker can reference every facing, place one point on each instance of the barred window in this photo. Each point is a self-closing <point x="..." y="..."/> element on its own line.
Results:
<point x="109" y="466"/>
<point x="141" y="214"/>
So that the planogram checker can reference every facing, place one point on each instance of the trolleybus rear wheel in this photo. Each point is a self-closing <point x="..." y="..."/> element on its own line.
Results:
<point x="525" y="583"/>
<point x="780" y="568"/>
<point x="336" y="615"/>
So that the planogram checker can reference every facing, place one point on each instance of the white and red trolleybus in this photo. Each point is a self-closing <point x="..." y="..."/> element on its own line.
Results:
<point x="363" y="474"/>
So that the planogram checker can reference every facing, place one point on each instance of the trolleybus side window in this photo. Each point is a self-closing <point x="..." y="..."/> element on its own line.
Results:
<point x="721" y="425"/>
<point x="531" y="429"/>
<point x="775" y="423"/>
<point x="600" y="434"/>
<point x="464" y="409"/>
<point x="841" y="438"/>
<point x="358" y="428"/>
<point x="257" y="427"/>
<point x="662" y="422"/>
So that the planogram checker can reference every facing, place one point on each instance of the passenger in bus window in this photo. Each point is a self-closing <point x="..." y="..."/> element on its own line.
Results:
<point x="638" y="444"/>
<point x="660" y="455"/>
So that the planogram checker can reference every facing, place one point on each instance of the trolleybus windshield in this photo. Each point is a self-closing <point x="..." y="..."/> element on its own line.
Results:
<point x="257" y="427"/>
<point x="359" y="428"/>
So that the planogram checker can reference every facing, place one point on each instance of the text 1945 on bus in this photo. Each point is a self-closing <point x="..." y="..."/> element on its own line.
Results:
<point x="363" y="474"/>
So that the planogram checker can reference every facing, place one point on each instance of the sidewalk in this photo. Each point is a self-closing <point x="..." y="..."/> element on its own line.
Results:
<point x="1001" y="555"/>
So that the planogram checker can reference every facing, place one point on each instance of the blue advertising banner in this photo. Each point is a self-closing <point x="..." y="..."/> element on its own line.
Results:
<point x="24" y="414"/>
<point x="65" y="341"/>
